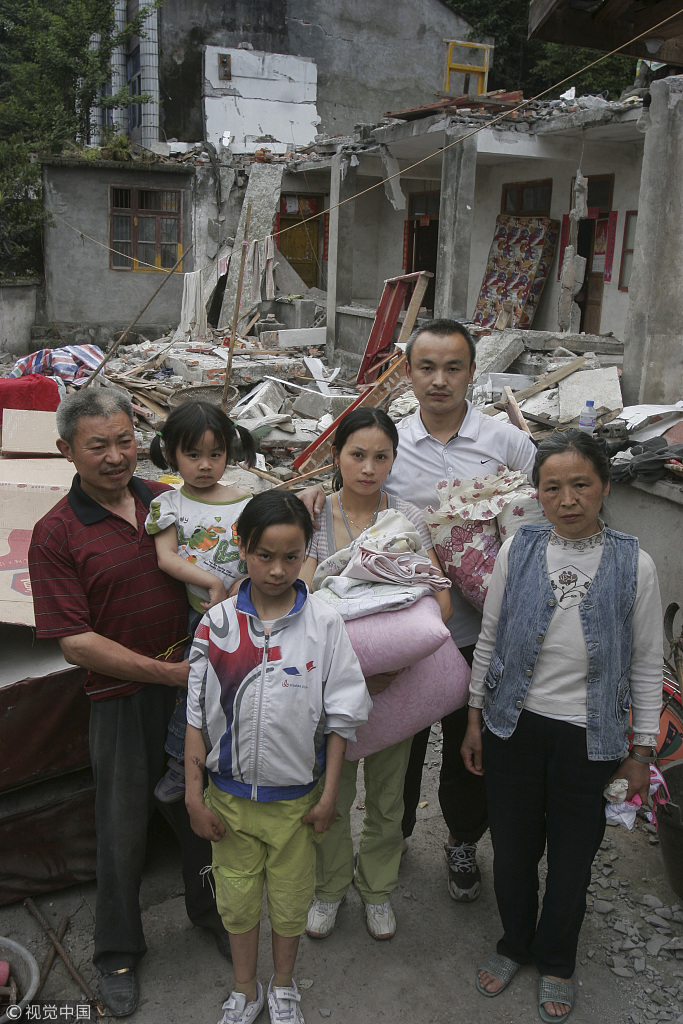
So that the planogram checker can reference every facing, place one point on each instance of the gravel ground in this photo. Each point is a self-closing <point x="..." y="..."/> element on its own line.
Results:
<point x="630" y="957"/>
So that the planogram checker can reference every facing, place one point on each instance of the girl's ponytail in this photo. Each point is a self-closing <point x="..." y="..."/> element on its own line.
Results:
<point x="248" y="444"/>
<point x="156" y="452"/>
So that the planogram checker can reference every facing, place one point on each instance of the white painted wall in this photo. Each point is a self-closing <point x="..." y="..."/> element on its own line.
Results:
<point x="378" y="243"/>
<point x="622" y="160"/>
<point x="268" y="94"/>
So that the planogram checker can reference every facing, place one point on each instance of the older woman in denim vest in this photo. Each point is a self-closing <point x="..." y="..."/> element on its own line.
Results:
<point x="570" y="644"/>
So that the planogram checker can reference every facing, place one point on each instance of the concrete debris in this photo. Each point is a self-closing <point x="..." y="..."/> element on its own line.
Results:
<point x="311" y="337"/>
<point x="602" y="386"/>
<point x="263" y="197"/>
<point x="496" y="352"/>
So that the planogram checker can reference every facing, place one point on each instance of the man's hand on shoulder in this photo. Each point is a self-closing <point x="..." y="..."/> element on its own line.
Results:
<point x="313" y="498"/>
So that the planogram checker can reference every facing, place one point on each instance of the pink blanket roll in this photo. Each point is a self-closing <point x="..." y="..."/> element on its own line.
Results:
<point x="418" y="697"/>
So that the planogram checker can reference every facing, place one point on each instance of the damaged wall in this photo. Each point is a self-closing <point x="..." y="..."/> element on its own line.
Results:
<point x="597" y="159"/>
<point x="371" y="57"/>
<point x="268" y="99"/>
<point x="653" y="345"/>
<point x="81" y="286"/>
<point x="185" y="26"/>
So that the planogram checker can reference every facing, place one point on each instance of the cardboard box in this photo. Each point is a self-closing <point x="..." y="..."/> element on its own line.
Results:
<point x="29" y="432"/>
<point x="28" y="489"/>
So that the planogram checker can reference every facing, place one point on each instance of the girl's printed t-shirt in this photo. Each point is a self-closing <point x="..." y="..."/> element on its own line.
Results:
<point x="207" y="536"/>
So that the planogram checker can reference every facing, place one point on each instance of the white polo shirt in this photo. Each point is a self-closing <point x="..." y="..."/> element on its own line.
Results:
<point x="422" y="461"/>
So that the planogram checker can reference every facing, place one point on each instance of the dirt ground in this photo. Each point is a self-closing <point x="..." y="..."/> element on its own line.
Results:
<point x="425" y="974"/>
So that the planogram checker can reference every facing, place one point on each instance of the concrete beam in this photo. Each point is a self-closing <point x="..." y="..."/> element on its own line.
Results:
<point x="340" y="244"/>
<point x="456" y="216"/>
<point x="653" y="339"/>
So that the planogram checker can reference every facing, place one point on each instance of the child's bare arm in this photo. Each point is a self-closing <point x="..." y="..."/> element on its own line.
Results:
<point x="204" y="822"/>
<point x="307" y="570"/>
<point x="166" y="544"/>
<point x="324" y="814"/>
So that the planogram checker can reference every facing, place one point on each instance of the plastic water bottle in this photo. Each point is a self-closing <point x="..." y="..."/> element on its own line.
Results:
<point x="587" y="418"/>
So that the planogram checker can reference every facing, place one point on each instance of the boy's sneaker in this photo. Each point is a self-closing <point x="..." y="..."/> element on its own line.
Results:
<point x="380" y="919"/>
<point x="464" y="877"/>
<point x="171" y="787"/>
<point x="322" y="917"/>
<point x="236" y="1009"/>
<point x="283" y="1005"/>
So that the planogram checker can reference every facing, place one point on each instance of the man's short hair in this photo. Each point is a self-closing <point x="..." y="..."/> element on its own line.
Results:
<point x="90" y="401"/>
<point x="443" y="328"/>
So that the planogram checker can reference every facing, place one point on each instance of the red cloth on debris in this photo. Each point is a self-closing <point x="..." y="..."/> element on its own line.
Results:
<point x="34" y="391"/>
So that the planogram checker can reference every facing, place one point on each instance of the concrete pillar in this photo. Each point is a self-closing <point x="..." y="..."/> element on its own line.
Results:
<point x="653" y="340"/>
<point x="149" y="81"/>
<point x="456" y="215"/>
<point x="340" y="244"/>
<point x="118" y="116"/>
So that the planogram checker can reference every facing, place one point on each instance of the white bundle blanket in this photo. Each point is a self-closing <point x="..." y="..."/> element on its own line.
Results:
<point x="394" y="567"/>
<point x="367" y="591"/>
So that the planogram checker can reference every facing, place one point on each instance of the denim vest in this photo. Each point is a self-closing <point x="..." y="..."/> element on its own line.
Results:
<point x="606" y="614"/>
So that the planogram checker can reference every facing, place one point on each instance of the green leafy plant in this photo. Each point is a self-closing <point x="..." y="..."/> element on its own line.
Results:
<point x="55" y="69"/>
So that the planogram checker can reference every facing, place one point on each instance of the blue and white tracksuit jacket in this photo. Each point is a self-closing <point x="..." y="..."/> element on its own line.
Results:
<point x="264" y="703"/>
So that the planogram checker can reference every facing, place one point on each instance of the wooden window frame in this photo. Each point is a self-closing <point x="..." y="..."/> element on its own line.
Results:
<point x="478" y="71"/>
<point x="518" y="186"/>
<point x="133" y="212"/>
<point x="625" y="251"/>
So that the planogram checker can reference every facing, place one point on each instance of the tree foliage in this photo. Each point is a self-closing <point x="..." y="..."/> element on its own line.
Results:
<point x="54" y="69"/>
<point x="533" y="66"/>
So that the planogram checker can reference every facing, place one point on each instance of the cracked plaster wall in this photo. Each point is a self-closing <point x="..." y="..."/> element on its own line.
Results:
<point x="624" y="161"/>
<point x="80" y="285"/>
<point x="372" y="56"/>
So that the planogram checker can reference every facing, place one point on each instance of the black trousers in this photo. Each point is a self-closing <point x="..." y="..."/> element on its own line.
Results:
<point x="462" y="795"/>
<point x="127" y="737"/>
<point x="543" y="792"/>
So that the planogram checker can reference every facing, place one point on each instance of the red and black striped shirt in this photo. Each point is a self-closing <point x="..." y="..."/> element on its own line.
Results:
<point x="91" y="571"/>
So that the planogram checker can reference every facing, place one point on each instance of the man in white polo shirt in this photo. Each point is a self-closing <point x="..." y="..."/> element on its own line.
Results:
<point x="447" y="437"/>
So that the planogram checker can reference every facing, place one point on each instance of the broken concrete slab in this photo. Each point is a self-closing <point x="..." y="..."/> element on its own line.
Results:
<point x="311" y="405"/>
<point x="602" y="386"/>
<point x="548" y="341"/>
<point x="315" y="406"/>
<point x="496" y="351"/>
<point x="547" y="403"/>
<point x="304" y="337"/>
<point x="263" y="196"/>
<point x="287" y="281"/>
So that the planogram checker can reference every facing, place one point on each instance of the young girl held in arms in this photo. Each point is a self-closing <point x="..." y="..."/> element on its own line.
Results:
<point x="274" y="692"/>
<point x="193" y="531"/>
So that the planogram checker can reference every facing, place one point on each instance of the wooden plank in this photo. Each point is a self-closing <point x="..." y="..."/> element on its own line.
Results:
<point x="514" y="412"/>
<point x="541" y="385"/>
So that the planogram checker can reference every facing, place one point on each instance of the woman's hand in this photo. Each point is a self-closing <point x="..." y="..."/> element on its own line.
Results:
<point x="637" y="775"/>
<point x="379" y="682"/>
<point x="322" y="815"/>
<point x="471" y="749"/>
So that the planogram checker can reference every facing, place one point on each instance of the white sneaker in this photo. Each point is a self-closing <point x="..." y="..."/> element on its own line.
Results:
<point x="321" y="918"/>
<point x="236" y="1009"/>
<point x="283" y="1005"/>
<point x="380" y="919"/>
